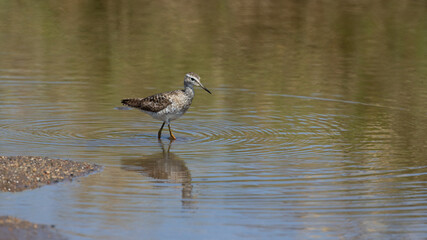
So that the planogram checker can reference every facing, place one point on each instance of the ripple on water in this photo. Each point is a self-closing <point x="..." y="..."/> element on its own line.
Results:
<point x="291" y="135"/>
<point x="244" y="131"/>
<point x="70" y="132"/>
<point x="296" y="134"/>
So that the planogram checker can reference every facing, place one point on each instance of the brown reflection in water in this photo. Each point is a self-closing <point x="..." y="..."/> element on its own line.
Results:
<point x="164" y="166"/>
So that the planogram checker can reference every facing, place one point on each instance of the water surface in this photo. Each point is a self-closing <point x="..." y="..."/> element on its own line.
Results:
<point x="317" y="126"/>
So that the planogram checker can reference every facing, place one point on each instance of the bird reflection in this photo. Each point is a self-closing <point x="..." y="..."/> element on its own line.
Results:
<point x="164" y="166"/>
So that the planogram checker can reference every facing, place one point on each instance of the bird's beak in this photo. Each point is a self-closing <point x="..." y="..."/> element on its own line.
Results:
<point x="205" y="89"/>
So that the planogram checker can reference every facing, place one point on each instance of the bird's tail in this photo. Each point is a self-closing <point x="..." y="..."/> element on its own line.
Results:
<point x="125" y="101"/>
<point x="132" y="102"/>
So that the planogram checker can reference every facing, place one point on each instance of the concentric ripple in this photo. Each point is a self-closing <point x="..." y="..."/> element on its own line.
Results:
<point x="253" y="133"/>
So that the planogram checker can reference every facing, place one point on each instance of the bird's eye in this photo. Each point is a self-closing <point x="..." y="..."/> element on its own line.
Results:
<point x="193" y="79"/>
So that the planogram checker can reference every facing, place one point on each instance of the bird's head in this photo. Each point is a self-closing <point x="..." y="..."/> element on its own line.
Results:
<point x="192" y="79"/>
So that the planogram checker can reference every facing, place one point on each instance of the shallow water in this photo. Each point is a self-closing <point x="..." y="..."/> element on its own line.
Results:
<point x="317" y="126"/>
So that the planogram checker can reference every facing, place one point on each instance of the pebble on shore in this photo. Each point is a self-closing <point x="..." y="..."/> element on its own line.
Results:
<point x="26" y="172"/>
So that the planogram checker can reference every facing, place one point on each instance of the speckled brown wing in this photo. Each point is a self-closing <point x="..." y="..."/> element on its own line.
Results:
<point x="153" y="103"/>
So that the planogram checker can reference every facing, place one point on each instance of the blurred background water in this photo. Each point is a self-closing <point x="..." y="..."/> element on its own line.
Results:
<point x="317" y="126"/>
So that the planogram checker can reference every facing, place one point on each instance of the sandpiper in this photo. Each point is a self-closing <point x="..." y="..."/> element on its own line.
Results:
<point x="168" y="106"/>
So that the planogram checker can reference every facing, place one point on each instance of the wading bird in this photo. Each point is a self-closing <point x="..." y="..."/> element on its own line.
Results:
<point x="168" y="106"/>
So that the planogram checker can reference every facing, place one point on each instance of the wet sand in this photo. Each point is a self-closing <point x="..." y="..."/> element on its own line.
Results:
<point x="25" y="172"/>
<point x="16" y="229"/>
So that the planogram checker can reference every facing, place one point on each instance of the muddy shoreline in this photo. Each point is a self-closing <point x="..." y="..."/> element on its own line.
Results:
<point x="17" y="229"/>
<point x="19" y="173"/>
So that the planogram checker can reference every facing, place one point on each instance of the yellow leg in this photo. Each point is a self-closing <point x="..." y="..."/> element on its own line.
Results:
<point x="172" y="137"/>
<point x="159" y="134"/>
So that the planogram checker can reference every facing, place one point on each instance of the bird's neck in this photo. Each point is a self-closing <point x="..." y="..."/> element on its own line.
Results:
<point x="189" y="91"/>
